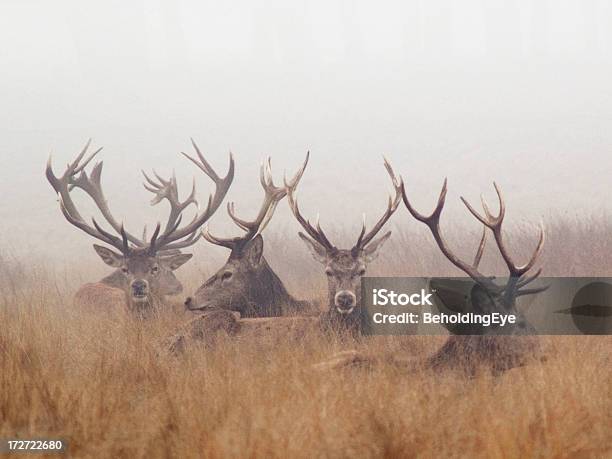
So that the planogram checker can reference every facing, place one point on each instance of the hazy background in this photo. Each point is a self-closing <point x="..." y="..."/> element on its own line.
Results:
<point x="519" y="92"/>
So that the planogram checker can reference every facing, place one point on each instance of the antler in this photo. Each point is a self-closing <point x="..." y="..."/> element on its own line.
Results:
<point x="314" y="232"/>
<point x="168" y="189"/>
<point x="516" y="281"/>
<point x="174" y="237"/>
<point x="433" y="222"/>
<point x="494" y="223"/>
<point x="364" y="238"/>
<point x="272" y="196"/>
<point x="76" y="176"/>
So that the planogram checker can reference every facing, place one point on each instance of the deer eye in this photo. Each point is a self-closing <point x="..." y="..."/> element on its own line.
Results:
<point x="329" y="272"/>
<point x="154" y="269"/>
<point x="125" y="270"/>
<point x="226" y="275"/>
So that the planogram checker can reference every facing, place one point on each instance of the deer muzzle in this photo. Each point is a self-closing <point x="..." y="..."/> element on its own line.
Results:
<point x="192" y="305"/>
<point x="345" y="301"/>
<point x="140" y="290"/>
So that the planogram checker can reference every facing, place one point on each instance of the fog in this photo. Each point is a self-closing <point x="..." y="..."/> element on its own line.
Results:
<point x="480" y="90"/>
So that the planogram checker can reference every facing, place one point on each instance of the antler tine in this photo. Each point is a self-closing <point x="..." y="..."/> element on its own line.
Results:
<point x="433" y="222"/>
<point x="120" y="242"/>
<point x="162" y="180"/>
<point x="315" y="233"/>
<point x="152" y="185"/>
<point x="481" y="247"/>
<point x="71" y="168"/>
<point x="298" y="175"/>
<point x="152" y="244"/>
<point x="527" y="280"/>
<point x="392" y="205"/>
<point x="228" y="243"/>
<point x="532" y="291"/>
<point x="79" y="167"/>
<point x="437" y="211"/>
<point x="536" y="253"/>
<point x="321" y="233"/>
<point x="363" y="229"/>
<point x="517" y="280"/>
<point x="490" y="221"/>
<point x="272" y="196"/>
<point x="189" y="241"/>
<point x="124" y="239"/>
<point x="231" y="210"/>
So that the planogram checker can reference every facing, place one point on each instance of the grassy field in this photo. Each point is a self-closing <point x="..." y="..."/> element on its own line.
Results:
<point x="99" y="383"/>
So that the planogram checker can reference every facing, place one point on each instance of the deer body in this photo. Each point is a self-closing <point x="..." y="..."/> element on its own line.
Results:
<point x="344" y="268"/>
<point x="210" y="326"/>
<point x="487" y="345"/>
<point x="99" y="296"/>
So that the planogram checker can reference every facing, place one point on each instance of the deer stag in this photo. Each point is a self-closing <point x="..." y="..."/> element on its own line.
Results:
<point x="344" y="267"/>
<point x="246" y="283"/>
<point x="487" y="296"/>
<point x="477" y="345"/>
<point x="144" y="267"/>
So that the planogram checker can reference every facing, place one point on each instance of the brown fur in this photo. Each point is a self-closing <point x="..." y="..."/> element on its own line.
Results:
<point x="208" y="327"/>
<point x="100" y="297"/>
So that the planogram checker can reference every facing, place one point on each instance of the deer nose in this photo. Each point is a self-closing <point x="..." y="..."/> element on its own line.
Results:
<point x="139" y="287"/>
<point x="345" y="301"/>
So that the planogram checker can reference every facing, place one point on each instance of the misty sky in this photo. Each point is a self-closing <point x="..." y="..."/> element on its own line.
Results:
<point x="477" y="90"/>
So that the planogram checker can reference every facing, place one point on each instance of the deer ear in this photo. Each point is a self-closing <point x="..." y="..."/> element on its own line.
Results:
<point x="317" y="251"/>
<point x="370" y="251"/>
<point x="108" y="256"/>
<point x="176" y="261"/>
<point x="254" y="251"/>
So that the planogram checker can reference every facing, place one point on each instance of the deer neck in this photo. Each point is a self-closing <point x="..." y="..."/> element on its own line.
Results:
<point x="349" y="324"/>
<point x="343" y="322"/>
<point x="268" y="291"/>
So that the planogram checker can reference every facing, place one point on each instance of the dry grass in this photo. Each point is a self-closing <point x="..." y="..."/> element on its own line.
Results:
<point x="98" y="383"/>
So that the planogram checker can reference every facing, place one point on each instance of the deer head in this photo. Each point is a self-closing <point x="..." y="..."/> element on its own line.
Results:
<point x="144" y="267"/>
<point x="344" y="267"/>
<point x="246" y="283"/>
<point x="486" y="296"/>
